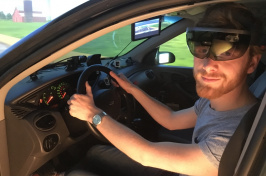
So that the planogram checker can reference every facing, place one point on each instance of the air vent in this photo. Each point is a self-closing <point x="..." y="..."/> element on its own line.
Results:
<point x="45" y="122"/>
<point x="50" y="142"/>
<point x="150" y="74"/>
<point x="20" y="112"/>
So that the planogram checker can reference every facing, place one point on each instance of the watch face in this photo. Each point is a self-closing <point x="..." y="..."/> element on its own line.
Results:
<point x="96" y="120"/>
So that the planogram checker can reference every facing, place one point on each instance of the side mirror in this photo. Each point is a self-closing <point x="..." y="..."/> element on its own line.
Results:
<point x="165" y="58"/>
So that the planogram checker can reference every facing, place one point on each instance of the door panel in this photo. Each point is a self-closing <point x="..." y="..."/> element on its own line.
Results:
<point x="177" y="86"/>
<point x="173" y="86"/>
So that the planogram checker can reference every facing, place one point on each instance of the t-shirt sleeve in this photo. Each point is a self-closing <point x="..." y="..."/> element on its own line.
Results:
<point x="213" y="147"/>
<point x="199" y="105"/>
<point x="196" y="106"/>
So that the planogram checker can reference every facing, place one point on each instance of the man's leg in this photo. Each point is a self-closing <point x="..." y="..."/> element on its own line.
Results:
<point x="108" y="160"/>
<point x="104" y="160"/>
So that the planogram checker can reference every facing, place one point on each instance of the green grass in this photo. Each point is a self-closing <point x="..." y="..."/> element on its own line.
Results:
<point x="179" y="48"/>
<point x="114" y="43"/>
<point x="18" y="30"/>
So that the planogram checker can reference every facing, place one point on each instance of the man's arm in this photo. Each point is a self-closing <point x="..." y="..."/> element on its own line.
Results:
<point x="161" y="113"/>
<point x="179" y="158"/>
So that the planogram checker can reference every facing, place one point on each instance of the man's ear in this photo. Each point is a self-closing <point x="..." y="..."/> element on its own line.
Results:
<point x="253" y="63"/>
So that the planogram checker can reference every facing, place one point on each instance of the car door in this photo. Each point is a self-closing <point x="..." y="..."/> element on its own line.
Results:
<point x="50" y="41"/>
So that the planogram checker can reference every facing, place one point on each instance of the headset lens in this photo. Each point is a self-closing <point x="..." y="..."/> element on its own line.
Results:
<point x="222" y="44"/>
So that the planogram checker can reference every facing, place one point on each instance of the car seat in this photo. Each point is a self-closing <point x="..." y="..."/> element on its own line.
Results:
<point x="234" y="148"/>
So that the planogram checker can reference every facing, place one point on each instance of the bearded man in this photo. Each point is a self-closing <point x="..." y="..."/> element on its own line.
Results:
<point x="224" y="47"/>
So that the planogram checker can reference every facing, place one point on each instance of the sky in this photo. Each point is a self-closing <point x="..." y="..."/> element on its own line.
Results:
<point x="56" y="7"/>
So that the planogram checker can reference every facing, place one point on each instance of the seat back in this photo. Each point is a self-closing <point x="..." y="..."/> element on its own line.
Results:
<point x="259" y="86"/>
<point x="236" y="143"/>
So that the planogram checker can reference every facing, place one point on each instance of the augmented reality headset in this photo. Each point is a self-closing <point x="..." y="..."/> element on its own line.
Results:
<point x="222" y="44"/>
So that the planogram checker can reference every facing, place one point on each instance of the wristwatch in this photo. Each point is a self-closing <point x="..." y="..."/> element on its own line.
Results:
<point x="97" y="119"/>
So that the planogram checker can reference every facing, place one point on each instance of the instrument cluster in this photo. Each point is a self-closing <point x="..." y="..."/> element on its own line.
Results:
<point x="56" y="94"/>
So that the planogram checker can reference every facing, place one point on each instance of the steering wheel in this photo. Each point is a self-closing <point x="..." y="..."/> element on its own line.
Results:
<point x="114" y="101"/>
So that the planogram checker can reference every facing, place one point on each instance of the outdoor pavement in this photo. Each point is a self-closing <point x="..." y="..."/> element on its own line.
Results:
<point x="3" y="47"/>
<point x="6" y="41"/>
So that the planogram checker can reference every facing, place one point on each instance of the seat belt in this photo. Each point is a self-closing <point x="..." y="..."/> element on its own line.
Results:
<point x="236" y="143"/>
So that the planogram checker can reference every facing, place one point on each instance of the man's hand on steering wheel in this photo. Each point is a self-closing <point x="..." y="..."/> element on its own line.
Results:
<point x="82" y="106"/>
<point x="89" y="101"/>
<point x="123" y="82"/>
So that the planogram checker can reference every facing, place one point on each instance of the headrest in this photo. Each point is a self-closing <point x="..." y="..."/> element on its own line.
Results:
<point x="258" y="88"/>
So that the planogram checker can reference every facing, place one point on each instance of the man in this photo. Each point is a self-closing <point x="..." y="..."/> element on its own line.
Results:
<point x="224" y="46"/>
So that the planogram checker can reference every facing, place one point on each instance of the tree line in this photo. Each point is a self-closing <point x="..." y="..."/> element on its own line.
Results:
<point x="5" y="17"/>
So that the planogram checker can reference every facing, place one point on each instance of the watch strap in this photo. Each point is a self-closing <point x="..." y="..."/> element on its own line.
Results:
<point x="102" y="114"/>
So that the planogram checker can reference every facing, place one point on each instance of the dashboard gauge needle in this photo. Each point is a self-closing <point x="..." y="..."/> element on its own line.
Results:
<point x="50" y="98"/>
<point x="64" y="95"/>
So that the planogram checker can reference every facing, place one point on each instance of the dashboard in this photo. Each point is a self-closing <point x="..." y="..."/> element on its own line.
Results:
<point x="38" y="115"/>
<point x="48" y="94"/>
<point x="46" y="91"/>
<point x="38" y="119"/>
<point x="42" y="102"/>
<point x="50" y="90"/>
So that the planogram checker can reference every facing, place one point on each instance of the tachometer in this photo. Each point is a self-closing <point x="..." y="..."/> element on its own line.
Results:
<point x="63" y="90"/>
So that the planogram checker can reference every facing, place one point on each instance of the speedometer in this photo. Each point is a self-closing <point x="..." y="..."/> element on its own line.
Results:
<point x="49" y="96"/>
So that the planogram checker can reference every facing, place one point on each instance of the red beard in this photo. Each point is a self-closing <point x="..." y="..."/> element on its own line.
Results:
<point x="212" y="91"/>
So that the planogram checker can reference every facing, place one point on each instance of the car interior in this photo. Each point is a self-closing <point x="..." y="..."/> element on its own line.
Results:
<point x="41" y="136"/>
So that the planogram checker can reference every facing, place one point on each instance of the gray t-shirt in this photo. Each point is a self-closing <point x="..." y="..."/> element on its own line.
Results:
<point x="213" y="129"/>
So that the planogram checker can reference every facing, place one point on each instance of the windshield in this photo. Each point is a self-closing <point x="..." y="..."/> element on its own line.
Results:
<point x="16" y="23"/>
<point x="116" y="43"/>
<point x="18" y="18"/>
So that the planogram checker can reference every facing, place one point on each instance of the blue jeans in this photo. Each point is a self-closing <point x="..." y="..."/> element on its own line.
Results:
<point x="106" y="160"/>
